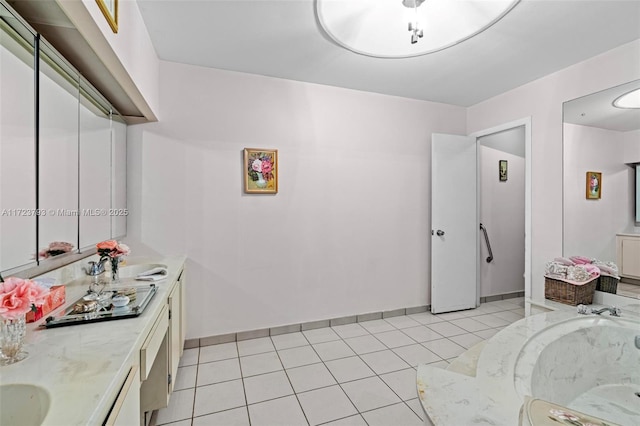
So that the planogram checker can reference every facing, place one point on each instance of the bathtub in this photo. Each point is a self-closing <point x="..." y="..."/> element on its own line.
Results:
<point x="585" y="363"/>
<point x="588" y="363"/>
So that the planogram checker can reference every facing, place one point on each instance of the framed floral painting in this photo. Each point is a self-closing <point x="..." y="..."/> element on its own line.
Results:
<point x="594" y="185"/>
<point x="260" y="171"/>
<point x="109" y="9"/>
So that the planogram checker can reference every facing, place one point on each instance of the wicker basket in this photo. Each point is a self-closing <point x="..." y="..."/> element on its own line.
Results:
<point x="607" y="284"/>
<point x="567" y="293"/>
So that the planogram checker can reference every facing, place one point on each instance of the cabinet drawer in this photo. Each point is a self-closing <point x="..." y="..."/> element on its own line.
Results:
<point x="152" y="343"/>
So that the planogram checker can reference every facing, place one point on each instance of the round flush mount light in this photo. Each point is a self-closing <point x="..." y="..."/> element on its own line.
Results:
<point x="407" y="28"/>
<point x="630" y="100"/>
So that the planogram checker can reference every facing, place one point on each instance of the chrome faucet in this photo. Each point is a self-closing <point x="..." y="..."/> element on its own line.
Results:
<point x="585" y="310"/>
<point x="96" y="268"/>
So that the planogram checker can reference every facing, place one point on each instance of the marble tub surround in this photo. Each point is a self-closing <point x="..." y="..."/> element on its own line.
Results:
<point x="598" y="346"/>
<point x="83" y="367"/>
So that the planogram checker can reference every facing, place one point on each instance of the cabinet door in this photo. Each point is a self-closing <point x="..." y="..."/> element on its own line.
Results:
<point x="126" y="410"/>
<point x="183" y="310"/>
<point x="174" y="333"/>
<point x="630" y="265"/>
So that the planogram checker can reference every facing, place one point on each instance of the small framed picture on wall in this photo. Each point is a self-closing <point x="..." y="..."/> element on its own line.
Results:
<point x="260" y="171"/>
<point x="502" y="170"/>
<point x="594" y="185"/>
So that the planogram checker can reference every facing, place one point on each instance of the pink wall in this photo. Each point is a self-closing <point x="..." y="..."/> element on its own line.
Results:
<point x="348" y="231"/>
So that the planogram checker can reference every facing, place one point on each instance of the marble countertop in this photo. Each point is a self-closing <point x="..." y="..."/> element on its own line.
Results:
<point x="491" y="397"/>
<point x="83" y="366"/>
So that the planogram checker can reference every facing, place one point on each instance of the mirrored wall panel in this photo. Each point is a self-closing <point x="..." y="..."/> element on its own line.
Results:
<point x="17" y="146"/>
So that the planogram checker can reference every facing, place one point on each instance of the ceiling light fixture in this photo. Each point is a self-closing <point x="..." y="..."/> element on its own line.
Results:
<point x="414" y="24"/>
<point x="630" y="100"/>
<point x="378" y="28"/>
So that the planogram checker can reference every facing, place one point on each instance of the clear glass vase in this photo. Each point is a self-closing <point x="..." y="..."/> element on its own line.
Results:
<point x="115" y="276"/>
<point x="12" y="332"/>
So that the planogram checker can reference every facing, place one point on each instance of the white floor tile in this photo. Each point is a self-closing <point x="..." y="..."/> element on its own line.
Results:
<point x="447" y="329"/>
<point x="289" y="340"/>
<point x="189" y="357"/>
<point x="218" y="371"/>
<point x="444" y="348"/>
<point x="370" y="393"/>
<point x="259" y="364"/>
<point x="234" y="417"/>
<point x="425" y="318"/>
<point x="267" y="386"/>
<point x="348" y="369"/>
<point x="333" y="350"/>
<point x="466" y="340"/>
<point x="180" y="423"/>
<point x="281" y="411"/>
<point x="365" y="344"/>
<point x="320" y="335"/>
<point x="394" y="339"/>
<point x="403" y="383"/>
<point x="180" y="407"/>
<point x="185" y="377"/>
<point x="510" y="316"/>
<point x="384" y="361"/>
<point x="519" y="311"/>
<point x="448" y="316"/>
<point x="377" y="326"/>
<point x="399" y="414"/>
<point x="421" y="333"/>
<point x="402" y="321"/>
<point x="296" y="357"/>
<point x="310" y="377"/>
<point x="218" y="397"/>
<point x="470" y="324"/>
<point x="416" y="354"/>
<point x="255" y="346"/>
<point x="218" y="352"/>
<point x="350" y="330"/>
<point x="326" y="404"/>
<point x="489" y="308"/>
<point x="486" y="334"/>
<point x="492" y="321"/>
<point x="440" y="364"/>
<point x="416" y="406"/>
<point x="356" y="420"/>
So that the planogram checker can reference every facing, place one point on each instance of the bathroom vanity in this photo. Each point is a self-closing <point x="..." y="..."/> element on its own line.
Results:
<point x="628" y="253"/>
<point x="109" y="372"/>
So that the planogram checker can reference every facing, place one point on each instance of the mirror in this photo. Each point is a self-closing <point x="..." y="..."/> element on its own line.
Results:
<point x="600" y="138"/>
<point x="17" y="150"/>
<point x="58" y="156"/>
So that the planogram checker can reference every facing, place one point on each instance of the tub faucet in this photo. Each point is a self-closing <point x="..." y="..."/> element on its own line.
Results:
<point x="585" y="310"/>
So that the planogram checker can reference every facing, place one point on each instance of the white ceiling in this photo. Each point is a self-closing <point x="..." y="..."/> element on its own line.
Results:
<point x="282" y="38"/>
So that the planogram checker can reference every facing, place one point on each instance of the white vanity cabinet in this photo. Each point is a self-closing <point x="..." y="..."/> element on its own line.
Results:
<point x="126" y="409"/>
<point x="628" y="253"/>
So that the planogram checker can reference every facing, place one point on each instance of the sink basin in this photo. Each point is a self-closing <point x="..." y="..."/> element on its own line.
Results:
<point x="22" y="404"/>
<point x="130" y="271"/>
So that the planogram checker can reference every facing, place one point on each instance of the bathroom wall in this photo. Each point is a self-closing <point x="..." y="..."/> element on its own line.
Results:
<point x="542" y="101"/>
<point x="502" y="213"/>
<point x="593" y="224"/>
<point x="348" y="231"/>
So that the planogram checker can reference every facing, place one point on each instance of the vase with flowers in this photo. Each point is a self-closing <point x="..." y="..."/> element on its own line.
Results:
<point x="17" y="297"/>
<point x="112" y="251"/>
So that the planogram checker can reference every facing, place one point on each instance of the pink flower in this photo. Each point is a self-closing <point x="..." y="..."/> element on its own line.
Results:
<point x="266" y="166"/>
<point x="257" y="165"/>
<point x="18" y="295"/>
<point x="107" y="245"/>
<point x="122" y="250"/>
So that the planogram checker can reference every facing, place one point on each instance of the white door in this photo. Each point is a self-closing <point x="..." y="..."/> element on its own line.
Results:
<point x="454" y="223"/>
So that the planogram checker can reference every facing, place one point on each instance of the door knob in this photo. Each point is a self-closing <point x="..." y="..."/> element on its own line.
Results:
<point x="439" y="233"/>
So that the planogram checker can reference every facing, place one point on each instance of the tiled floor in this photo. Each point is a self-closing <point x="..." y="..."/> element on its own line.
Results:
<point x="629" y="290"/>
<point x="354" y="374"/>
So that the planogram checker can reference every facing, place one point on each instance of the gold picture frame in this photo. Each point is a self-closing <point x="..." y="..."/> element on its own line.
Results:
<point x="109" y="9"/>
<point x="594" y="185"/>
<point x="260" y="171"/>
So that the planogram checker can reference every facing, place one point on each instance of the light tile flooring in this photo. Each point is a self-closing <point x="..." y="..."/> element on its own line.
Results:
<point x="354" y="374"/>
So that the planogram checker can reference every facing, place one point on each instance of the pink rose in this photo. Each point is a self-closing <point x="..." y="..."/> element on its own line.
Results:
<point x="107" y="245"/>
<point x="266" y="166"/>
<point x="122" y="250"/>
<point x="18" y="295"/>
<point x="257" y="165"/>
